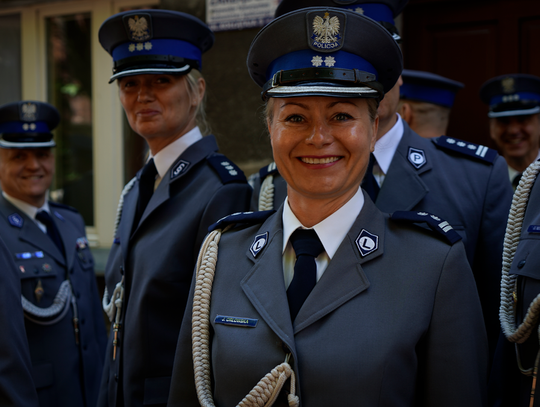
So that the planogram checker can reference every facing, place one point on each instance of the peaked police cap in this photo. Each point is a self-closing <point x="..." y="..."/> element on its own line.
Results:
<point x="28" y="124"/>
<point x="154" y="42"/>
<point x="324" y="51"/>
<point x="429" y="87"/>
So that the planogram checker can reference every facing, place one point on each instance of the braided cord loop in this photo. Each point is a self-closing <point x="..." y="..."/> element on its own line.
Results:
<point x="268" y="388"/>
<point x="266" y="194"/>
<point x="508" y="281"/>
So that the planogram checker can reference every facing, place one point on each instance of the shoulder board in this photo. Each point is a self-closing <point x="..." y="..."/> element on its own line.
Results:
<point x="434" y="222"/>
<point x="267" y="170"/>
<point x="63" y="206"/>
<point x="226" y="169"/>
<point x="245" y="218"/>
<point x="476" y="151"/>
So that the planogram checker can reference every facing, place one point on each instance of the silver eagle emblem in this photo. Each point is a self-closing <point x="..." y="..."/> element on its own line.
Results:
<point x="326" y="29"/>
<point x="139" y="28"/>
<point x="28" y="111"/>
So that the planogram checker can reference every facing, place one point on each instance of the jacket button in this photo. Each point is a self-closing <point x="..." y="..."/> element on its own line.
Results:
<point x="521" y="264"/>
<point x="116" y="377"/>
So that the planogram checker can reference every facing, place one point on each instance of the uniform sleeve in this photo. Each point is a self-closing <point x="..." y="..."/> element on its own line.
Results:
<point x="228" y="199"/>
<point x="16" y="383"/>
<point x="488" y="254"/>
<point x="453" y="354"/>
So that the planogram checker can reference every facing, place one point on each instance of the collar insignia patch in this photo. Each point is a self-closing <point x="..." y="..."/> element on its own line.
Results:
<point x="258" y="243"/>
<point x="417" y="157"/>
<point x="180" y="168"/>
<point x="367" y="242"/>
<point x="16" y="220"/>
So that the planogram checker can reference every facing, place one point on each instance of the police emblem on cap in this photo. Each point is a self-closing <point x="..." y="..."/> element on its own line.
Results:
<point x="325" y="33"/>
<point x="258" y="244"/>
<point x="15" y="220"/>
<point x="367" y="242"/>
<point x="508" y="85"/>
<point x="28" y="112"/>
<point x="416" y="157"/>
<point x="138" y="26"/>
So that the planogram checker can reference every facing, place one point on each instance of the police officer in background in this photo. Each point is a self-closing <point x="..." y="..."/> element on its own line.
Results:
<point x="63" y="317"/>
<point x="425" y="101"/>
<point x="462" y="182"/>
<point x="16" y="383"/>
<point x="183" y="188"/>
<point x="514" y="119"/>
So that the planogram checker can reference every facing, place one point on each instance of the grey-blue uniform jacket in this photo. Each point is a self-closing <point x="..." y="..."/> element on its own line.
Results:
<point x="65" y="373"/>
<point x="158" y="262"/>
<point x="509" y="387"/>
<point x="472" y="192"/>
<point x="16" y="384"/>
<point x="397" y="326"/>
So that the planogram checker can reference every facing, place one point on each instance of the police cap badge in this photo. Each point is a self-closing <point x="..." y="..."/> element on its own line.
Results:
<point x="28" y="124"/>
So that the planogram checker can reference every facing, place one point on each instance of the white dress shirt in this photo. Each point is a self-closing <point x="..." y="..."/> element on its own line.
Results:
<point x="385" y="148"/>
<point x="331" y="232"/>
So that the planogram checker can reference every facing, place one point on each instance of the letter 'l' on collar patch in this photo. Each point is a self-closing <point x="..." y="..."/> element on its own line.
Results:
<point x="533" y="229"/>
<point x="367" y="242"/>
<point x="258" y="243"/>
<point x="236" y="321"/>
<point x="180" y="168"/>
<point x="15" y="220"/>
<point x="417" y="157"/>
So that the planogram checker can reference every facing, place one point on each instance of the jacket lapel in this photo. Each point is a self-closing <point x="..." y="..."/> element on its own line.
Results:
<point x="30" y="233"/>
<point x="264" y="284"/>
<point x="69" y="237"/>
<point x="187" y="160"/>
<point x="403" y="186"/>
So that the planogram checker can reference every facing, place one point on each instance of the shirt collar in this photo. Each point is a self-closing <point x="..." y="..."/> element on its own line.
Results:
<point x="26" y="208"/>
<point x="168" y="155"/>
<point x="386" y="146"/>
<point x="332" y="230"/>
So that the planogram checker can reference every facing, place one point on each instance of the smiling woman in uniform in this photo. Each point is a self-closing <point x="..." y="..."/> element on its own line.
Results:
<point x="328" y="301"/>
<point x="183" y="188"/>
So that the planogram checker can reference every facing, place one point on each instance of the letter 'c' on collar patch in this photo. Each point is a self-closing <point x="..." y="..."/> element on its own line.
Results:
<point x="180" y="168"/>
<point x="258" y="243"/>
<point x="367" y="242"/>
<point x="16" y="220"/>
<point x="416" y="157"/>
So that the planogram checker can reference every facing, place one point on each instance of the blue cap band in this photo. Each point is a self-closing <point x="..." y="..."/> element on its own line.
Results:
<point x="514" y="97"/>
<point x="177" y="48"/>
<point x="313" y="59"/>
<point x="24" y="127"/>
<point x="378" y="12"/>
<point x="428" y="94"/>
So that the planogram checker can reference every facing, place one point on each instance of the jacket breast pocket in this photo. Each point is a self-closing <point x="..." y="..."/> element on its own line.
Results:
<point x="527" y="258"/>
<point x="85" y="258"/>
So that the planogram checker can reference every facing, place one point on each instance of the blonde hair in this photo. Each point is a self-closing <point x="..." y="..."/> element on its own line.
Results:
<point x="192" y="79"/>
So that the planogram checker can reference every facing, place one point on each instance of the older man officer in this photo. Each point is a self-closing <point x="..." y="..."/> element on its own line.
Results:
<point x="514" y="119"/>
<point x="63" y="318"/>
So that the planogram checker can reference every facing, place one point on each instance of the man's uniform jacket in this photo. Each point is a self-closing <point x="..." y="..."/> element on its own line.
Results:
<point x="65" y="373"/>
<point x="157" y="261"/>
<point x="400" y="326"/>
<point x="472" y="193"/>
<point x="508" y="386"/>
<point x="16" y="384"/>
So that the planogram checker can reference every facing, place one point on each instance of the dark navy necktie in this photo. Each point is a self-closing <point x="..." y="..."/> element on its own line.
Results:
<point x="146" y="189"/>
<point x="307" y="246"/>
<point x="370" y="183"/>
<point x="52" y="230"/>
<point x="515" y="181"/>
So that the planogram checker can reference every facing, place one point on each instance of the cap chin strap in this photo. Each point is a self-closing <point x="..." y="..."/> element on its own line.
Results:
<point x="40" y="144"/>
<point x="155" y="71"/>
<point x="521" y="112"/>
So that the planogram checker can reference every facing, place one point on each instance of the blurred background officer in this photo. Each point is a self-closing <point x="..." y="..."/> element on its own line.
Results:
<point x="16" y="383"/>
<point x="366" y="310"/>
<point x="64" y="321"/>
<point x="184" y="187"/>
<point x="514" y="119"/>
<point x="514" y="377"/>
<point x="426" y="100"/>
<point x="463" y="183"/>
